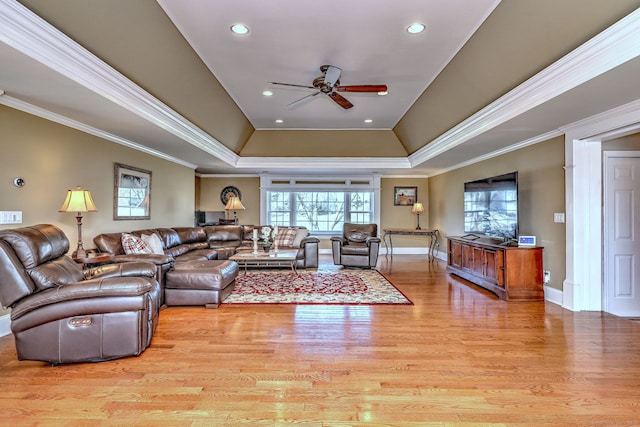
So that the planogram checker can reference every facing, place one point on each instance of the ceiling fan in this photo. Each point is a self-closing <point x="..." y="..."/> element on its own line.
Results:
<point x="329" y="84"/>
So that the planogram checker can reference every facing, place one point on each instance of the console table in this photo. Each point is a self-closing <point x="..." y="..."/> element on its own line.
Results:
<point x="433" y="242"/>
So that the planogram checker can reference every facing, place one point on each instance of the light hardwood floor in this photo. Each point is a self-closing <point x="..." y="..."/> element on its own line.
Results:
<point x="459" y="356"/>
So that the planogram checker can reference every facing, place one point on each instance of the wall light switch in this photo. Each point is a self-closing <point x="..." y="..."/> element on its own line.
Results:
<point x="558" y="217"/>
<point x="10" y="217"/>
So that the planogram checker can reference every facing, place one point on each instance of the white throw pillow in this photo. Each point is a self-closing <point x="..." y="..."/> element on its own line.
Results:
<point x="301" y="233"/>
<point x="154" y="243"/>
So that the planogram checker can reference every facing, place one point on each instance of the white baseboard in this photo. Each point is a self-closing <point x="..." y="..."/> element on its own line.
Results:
<point x="553" y="295"/>
<point x="5" y="325"/>
<point x="383" y="251"/>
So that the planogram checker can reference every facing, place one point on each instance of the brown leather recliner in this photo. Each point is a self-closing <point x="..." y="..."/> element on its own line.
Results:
<point x="357" y="247"/>
<point x="61" y="313"/>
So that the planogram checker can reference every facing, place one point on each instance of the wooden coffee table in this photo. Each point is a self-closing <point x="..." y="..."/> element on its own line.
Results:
<point x="266" y="259"/>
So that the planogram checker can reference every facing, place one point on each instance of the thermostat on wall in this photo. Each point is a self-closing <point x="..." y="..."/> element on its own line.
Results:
<point x="526" y="240"/>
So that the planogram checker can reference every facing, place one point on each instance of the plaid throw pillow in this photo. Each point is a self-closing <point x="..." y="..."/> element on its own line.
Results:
<point x="285" y="236"/>
<point x="134" y="245"/>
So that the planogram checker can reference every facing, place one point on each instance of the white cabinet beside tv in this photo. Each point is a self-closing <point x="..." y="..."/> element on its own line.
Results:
<point x="512" y="273"/>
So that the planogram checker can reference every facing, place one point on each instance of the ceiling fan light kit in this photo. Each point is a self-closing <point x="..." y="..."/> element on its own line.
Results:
<point x="329" y="84"/>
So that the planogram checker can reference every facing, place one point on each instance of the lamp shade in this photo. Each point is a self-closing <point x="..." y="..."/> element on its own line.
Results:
<point x="417" y="208"/>
<point x="234" y="204"/>
<point x="78" y="200"/>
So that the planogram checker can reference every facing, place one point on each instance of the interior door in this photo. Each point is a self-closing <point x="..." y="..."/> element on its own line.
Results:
<point x="621" y="293"/>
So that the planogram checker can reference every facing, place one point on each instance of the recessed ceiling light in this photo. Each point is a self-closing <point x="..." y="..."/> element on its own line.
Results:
<point x="415" y="28"/>
<point x="267" y="93"/>
<point x="279" y="121"/>
<point x="240" y="29"/>
<point x="368" y="120"/>
<point x="383" y="93"/>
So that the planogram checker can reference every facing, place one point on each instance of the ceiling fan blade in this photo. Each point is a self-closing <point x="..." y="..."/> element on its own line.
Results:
<point x="332" y="75"/>
<point x="291" y="84"/>
<point x="362" y="88"/>
<point x="302" y="100"/>
<point x="340" y="100"/>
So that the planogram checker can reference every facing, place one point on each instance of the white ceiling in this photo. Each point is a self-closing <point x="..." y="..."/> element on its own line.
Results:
<point x="290" y="39"/>
<point x="45" y="73"/>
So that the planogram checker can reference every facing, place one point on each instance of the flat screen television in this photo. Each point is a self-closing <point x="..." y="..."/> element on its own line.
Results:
<point x="491" y="206"/>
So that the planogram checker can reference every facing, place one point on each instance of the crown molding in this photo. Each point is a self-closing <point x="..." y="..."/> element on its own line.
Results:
<point x="315" y="163"/>
<point x="609" y="49"/>
<point x="31" y="35"/>
<point x="57" y="118"/>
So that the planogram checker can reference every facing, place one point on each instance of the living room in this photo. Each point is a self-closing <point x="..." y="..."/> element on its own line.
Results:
<point x="53" y="157"/>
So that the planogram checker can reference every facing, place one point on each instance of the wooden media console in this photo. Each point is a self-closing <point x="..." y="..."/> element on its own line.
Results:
<point x="514" y="273"/>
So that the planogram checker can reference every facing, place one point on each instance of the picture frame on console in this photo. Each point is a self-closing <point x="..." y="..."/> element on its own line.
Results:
<point x="131" y="193"/>
<point x="405" y="196"/>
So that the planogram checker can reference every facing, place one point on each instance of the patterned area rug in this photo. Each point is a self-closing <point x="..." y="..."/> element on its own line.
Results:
<point x="314" y="287"/>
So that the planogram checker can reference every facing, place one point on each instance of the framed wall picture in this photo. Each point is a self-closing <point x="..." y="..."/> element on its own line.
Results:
<point x="131" y="193"/>
<point x="405" y="196"/>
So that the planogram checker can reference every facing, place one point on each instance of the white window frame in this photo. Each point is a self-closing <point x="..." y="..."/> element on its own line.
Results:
<point x="353" y="183"/>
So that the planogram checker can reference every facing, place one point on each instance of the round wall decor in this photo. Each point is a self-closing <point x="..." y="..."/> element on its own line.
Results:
<point x="228" y="192"/>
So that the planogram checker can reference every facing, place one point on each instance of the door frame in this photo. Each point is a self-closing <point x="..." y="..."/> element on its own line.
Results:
<point x="582" y="287"/>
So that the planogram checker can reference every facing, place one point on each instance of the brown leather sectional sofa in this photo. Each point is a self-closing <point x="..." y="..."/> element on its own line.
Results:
<point x="200" y="243"/>
<point x="63" y="313"/>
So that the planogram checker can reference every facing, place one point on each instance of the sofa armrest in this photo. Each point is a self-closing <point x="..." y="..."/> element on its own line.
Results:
<point x="124" y="269"/>
<point x="372" y="240"/>
<point x="86" y="291"/>
<point x="309" y="239"/>
<point x="338" y="239"/>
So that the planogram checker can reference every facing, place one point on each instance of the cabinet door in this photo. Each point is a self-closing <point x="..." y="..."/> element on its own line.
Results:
<point x="467" y="257"/>
<point x="478" y="262"/>
<point x="455" y="254"/>
<point x="494" y="267"/>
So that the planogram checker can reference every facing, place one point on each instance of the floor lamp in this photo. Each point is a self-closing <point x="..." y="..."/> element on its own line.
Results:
<point x="234" y="204"/>
<point x="417" y="209"/>
<point x="78" y="201"/>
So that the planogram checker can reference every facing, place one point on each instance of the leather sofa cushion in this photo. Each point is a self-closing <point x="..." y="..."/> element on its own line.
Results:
<point x="109" y="243"/>
<point x="36" y="244"/>
<point x="223" y="233"/>
<point x="191" y="234"/>
<point x="202" y="275"/>
<point x="59" y="272"/>
<point x="359" y="233"/>
<point x="169" y="237"/>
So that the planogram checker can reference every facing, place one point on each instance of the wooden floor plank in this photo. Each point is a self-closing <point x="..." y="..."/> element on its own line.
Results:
<point x="458" y="356"/>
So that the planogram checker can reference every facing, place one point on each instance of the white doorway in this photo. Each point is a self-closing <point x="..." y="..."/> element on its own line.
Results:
<point x="621" y="288"/>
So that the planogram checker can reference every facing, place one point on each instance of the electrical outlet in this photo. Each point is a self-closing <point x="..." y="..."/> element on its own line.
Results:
<point x="10" y="217"/>
<point x="547" y="276"/>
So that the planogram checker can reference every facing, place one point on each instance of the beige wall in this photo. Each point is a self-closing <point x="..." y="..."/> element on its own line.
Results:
<point x="540" y="191"/>
<point x="52" y="158"/>
<point x="323" y="143"/>
<point x="392" y="216"/>
<point x="209" y="196"/>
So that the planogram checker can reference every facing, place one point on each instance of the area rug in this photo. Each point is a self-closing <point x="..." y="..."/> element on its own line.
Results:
<point x="314" y="287"/>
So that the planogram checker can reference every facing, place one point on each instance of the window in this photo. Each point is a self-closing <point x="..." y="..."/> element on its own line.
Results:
<point x="319" y="210"/>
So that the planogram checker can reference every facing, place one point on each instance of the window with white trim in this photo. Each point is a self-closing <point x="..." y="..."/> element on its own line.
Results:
<point x="321" y="206"/>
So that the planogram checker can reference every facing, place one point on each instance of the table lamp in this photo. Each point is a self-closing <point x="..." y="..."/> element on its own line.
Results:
<point x="234" y="204"/>
<point x="78" y="201"/>
<point x="417" y="209"/>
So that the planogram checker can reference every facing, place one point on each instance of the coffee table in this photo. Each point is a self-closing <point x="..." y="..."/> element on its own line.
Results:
<point x="266" y="259"/>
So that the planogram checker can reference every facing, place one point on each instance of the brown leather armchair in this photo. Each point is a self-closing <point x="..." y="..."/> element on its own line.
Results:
<point x="357" y="247"/>
<point x="61" y="313"/>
